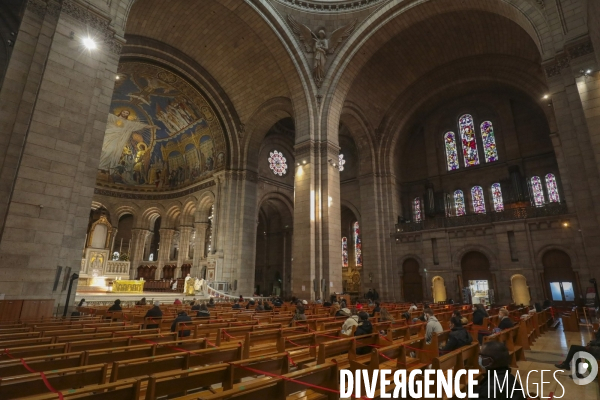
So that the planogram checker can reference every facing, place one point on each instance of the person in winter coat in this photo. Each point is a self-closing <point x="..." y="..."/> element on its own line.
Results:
<point x="116" y="306"/>
<point x="479" y="314"/>
<point x="343" y="312"/>
<point x="499" y="382"/>
<point x="593" y="348"/>
<point x="181" y="317"/>
<point x="433" y="325"/>
<point x="259" y="306"/>
<point x="211" y="303"/>
<point x="203" y="311"/>
<point x="505" y="321"/>
<point x="154" y="312"/>
<point x="238" y="305"/>
<point x="364" y="328"/>
<point x="458" y="337"/>
<point x="349" y="323"/>
<point x="376" y="309"/>
<point x="299" y="315"/>
<point x="177" y="302"/>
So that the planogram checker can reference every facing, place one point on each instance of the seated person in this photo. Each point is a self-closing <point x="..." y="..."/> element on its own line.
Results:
<point x="494" y="357"/>
<point x="195" y="306"/>
<point x="462" y="319"/>
<point x="364" y="328"/>
<point x="250" y="304"/>
<point x="267" y="306"/>
<point x="505" y="321"/>
<point x="376" y="309"/>
<point x="154" y="312"/>
<point x="142" y="302"/>
<point x="458" y="336"/>
<point x="211" y="303"/>
<point x="203" y="311"/>
<point x="479" y="314"/>
<point x="116" y="306"/>
<point x="593" y="348"/>
<point x="177" y="302"/>
<point x="239" y="304"/>
<point x="299" y="315"/>
<point x="259" y="306"/>
<point x="181" y="317"/>
<point x="350" y="322"/>
<point x="433" y="325"/>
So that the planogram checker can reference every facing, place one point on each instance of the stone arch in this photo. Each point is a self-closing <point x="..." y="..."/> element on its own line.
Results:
<point x="172" y="215"/>
<point x="459" y="254"/>
<point x="259" y="124"/>
<point x="149" y="216"/>
<point x="206" y="201"/>
<point x="357" y="125"/>
<point x="188" y="211"/>
<point x="387" y="22"/>
<point x="352" y="207"/>
<point x="543" y="250"/>
<point x="285" y="200"/>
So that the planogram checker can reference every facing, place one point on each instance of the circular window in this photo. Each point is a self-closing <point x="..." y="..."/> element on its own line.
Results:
<point x="278" y="163"/>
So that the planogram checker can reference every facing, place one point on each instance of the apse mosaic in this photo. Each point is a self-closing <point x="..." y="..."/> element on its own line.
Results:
<point x="161" y="133"/>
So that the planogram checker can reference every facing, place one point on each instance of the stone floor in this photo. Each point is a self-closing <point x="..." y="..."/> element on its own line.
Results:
<point x="549" y="349"/>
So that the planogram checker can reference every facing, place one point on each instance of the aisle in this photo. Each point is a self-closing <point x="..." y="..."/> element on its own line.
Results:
<point x="549" y="349"/>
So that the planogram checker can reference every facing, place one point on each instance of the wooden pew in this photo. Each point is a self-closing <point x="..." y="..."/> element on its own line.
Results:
<point x="62" y="379"/>
<point x="344" y="350"/>
<point x="25" y="342"/>
<point x="265" y="342"/>
<point x="122" y="390"/>
<point x="35" y="350"/>
<point x="516" y="352"/>
<point x="41" y="364"/>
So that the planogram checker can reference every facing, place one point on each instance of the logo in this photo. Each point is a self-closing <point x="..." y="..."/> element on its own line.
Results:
<point x="587" y="368"/>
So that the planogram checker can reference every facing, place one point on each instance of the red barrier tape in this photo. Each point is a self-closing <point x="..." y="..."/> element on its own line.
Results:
<point x="44" y="379"/>
<point x="301" y="345"/>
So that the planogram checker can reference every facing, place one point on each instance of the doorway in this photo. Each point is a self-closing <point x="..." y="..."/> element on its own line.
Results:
<point x="560" y="281"/>
<point x="412" y="281"/>
<point x="477" y="278"/>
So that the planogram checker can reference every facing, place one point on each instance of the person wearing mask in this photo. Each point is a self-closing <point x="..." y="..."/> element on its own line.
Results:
<point x="181" y="317"/>
<point x="479" y="314"/>
<point x="116" y="306"/>
<point x="463" y="320"/>
<point x="203" y="311"/>
<point x="177" y="302"/>
<point x="505" y="321"/>
<point x="154" y="312"/>
<point x="458" y="336"/>
<point x="350" y="322"/>
<point x="211" y="303"/>
<point x="259" y="306"/>
<point x="377" y="309"/>
<point x="364" y="328"/>
<point x="499" y="382"/>
<point x="433" y="325"/>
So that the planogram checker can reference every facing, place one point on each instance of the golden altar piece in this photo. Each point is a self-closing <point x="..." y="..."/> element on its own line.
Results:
<point x="128" y="286"/>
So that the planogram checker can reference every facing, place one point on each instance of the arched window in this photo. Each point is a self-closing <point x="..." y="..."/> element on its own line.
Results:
<point x="459" y="203"/>
<point x="477" y="199"/>
<point x="489" y="142"/>
<point x="552" y="189"/>
<point x="357" y="245"/>
<point x="451" y="153"/>
<point x="497" y="197"/>
<point x="469" y="141"/>
<point x="417" y="213"/>
<point x="344" y="252"/>
<point x="537" y="192"/>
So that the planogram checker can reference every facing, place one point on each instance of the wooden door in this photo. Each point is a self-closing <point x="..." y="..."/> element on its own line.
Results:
<point x="30" y="309"/>
<point x="412" y="281"/>
<point x="10" y="310"/>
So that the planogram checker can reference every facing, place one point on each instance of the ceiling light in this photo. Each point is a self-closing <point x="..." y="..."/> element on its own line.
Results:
<point x="89" y="43"/>
<point x="589" y="71"/>
<point x="545" y="97"/>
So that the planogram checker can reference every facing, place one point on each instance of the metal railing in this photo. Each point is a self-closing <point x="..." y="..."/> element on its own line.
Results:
<point x="510" y="214"/>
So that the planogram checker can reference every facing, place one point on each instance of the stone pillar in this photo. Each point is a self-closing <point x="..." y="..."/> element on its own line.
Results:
<point x="317" y="213"/>
<point x="54" y="102"/>
<point x="164" y="249"/>
<point x="185" y="234"/>
<point x="112" y="242"/>
<point x="136" y="254"/>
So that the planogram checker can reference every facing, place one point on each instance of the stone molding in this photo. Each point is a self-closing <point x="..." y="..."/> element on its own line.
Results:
<point x="571" y="52"/>
<point x="338" y="6"/>
<point x="153" y="196"/>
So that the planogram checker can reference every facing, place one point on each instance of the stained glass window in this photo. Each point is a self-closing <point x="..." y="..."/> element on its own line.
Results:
<point x="341" y="162"/>
<point x="277" y="163"/>
<point x="469" y="141"/>
<point x="477" y="199"/>
<point x="417" y="214"/>
<point x="451" y="153"/>
<point x="459" y="203"/>
<point x="552" y="189"/>
<point x="537" y="192"/>
<point x="344" y="252"/>
<point x="497" y="197"/>
<point x="357" y="245"/>
<point x="489" y="142"/>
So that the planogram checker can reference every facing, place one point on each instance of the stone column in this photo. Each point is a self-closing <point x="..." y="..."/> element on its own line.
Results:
<point x="112" y="242"/>
<point x="317" y="212"/>
<point x="164" y="248"/>
<point x="136" y="254"/>
<point x="185" y="234"/>
<point x="54" y="101"/>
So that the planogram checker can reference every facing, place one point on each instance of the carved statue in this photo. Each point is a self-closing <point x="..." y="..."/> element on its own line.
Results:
<point x="319" y="44"/>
